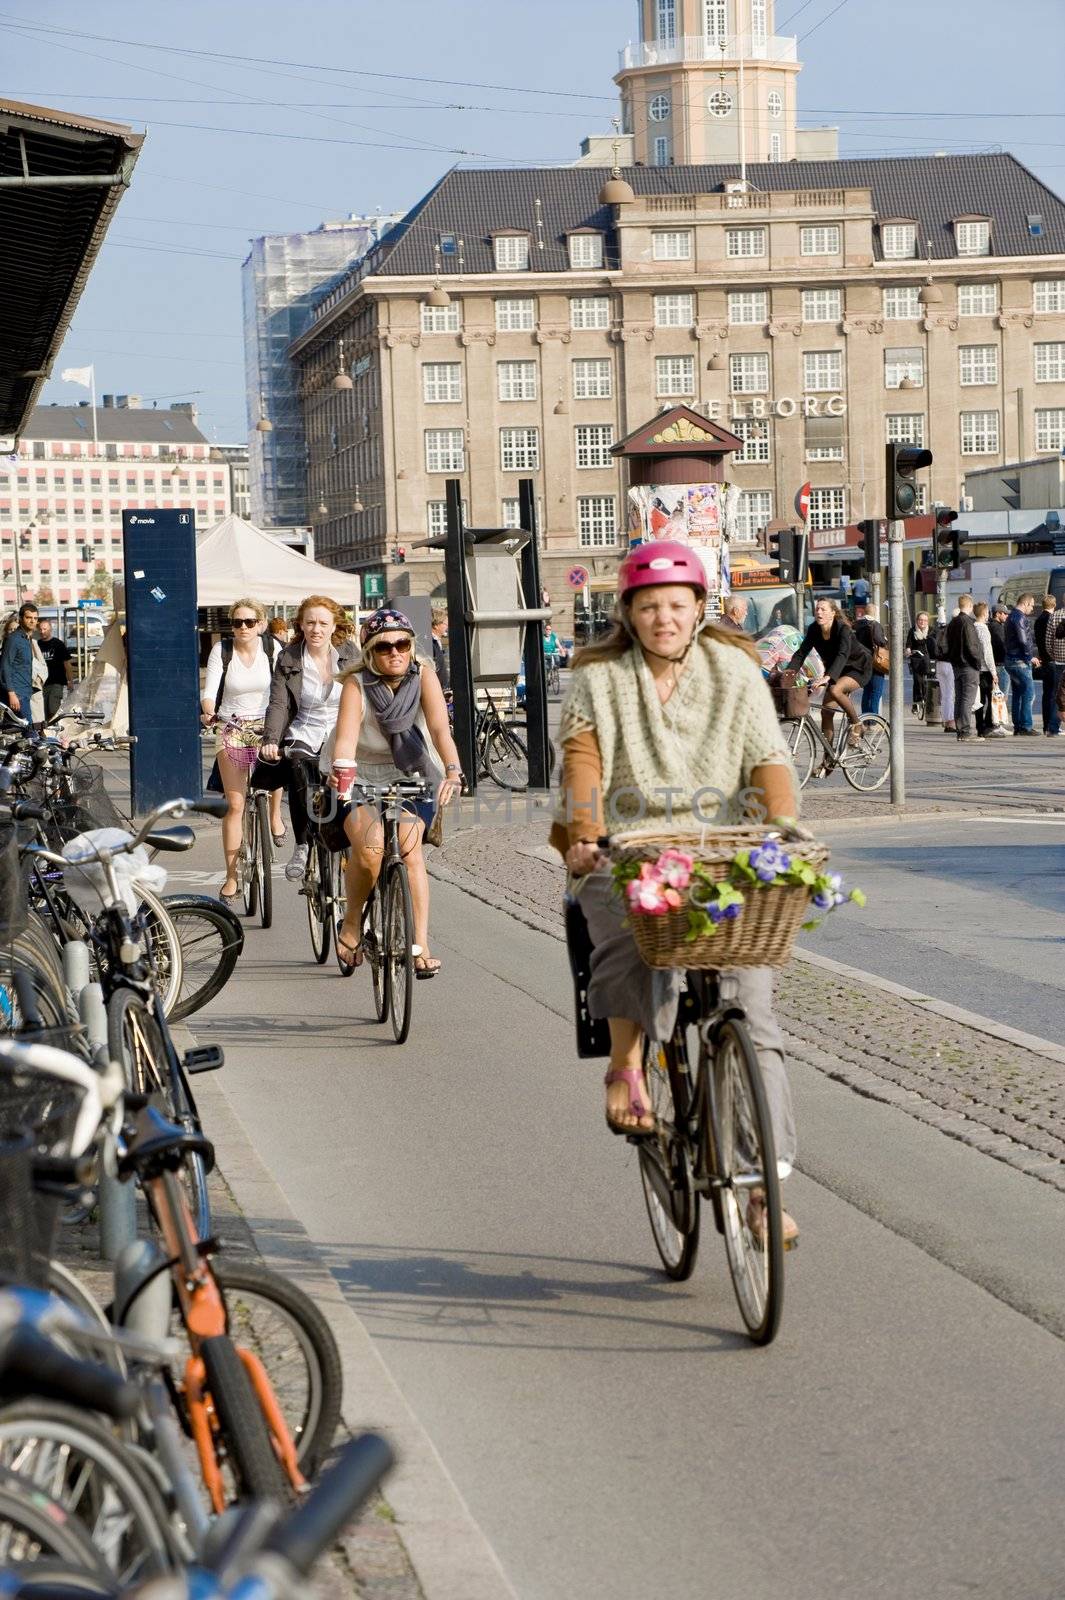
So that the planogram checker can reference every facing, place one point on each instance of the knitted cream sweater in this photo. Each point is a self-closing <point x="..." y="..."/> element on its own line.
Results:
<point x="678" y="766"/>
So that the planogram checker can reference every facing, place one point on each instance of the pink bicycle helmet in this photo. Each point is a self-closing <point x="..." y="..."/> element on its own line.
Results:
<point x="660" y="561"/>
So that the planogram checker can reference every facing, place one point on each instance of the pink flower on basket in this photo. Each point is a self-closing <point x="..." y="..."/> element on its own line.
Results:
<point x="648" y="896"/>
<point x="674" y="868"/>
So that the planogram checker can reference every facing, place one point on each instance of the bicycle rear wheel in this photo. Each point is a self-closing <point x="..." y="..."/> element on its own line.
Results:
<point x="867" y="765"/>
<point x="39" y="1539"/>
<point x="665" y="1168"/>
<point x="399" y="937"/>
<point x="742" y="1153"/>
<point x="507" y="758"/>
<point x="373" y="942"/>
<point x="803" y="747"/>
<point x="241" y="1422"/>
<point x="338" y="902"/>
<point x="315" y="884"/>
<point x="249" y="857"/>
<point x="264" y="860"/>
<point x="211" y="939"/>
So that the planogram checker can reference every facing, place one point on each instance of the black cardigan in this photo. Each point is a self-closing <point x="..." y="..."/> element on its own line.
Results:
<point x="842" y="653"/>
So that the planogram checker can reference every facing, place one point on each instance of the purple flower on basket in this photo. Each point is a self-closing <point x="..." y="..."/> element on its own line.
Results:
<point x="829" y="895"/>
<point x="768" y="860"/>
<point x="674" y="868"/>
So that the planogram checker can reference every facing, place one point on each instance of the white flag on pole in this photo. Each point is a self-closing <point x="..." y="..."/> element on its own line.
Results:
<point x="82" y="375"/>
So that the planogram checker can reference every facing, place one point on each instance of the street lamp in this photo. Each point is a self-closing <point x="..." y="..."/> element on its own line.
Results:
<point x="341" y="381"/>
<point x="264" y="425"/>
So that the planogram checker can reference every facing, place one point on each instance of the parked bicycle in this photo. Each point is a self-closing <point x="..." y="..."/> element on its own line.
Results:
<point x="502" y="751"/>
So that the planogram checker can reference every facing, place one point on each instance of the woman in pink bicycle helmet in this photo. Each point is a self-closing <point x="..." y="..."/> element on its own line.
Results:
<point x="668" y="725"/>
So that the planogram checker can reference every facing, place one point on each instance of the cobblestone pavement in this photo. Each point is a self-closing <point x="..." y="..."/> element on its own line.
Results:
<point x="992" y="1094"/>
<point x="369" y="1562"/>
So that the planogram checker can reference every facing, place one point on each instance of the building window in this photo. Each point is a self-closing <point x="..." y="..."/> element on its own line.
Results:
<point x="979" y="433"/>
<point x="674" y="375"/>
<point x="516" y="380"/>
<point x="744" y="242"/>
<point x="1050" y="363"/>
<point x="827" y="508"/>
<point x="822" y="305"/>
<point x="665" y="21"/>
<point x="819" y="241"/>
<point x="824" y="438"/>
<point x="674" y="310"/>
<point x="776" y="147"/>
<point x="719" y="104"/>
<point x="659" y="108"/>
<point x="715" y="13"/>
<point x="512" y="252"/>
<point x="749" y="374"/>
<point x="754" y="431"/>
<point x="753" y="510"/>
<point x="592" y="380"/>
<point x="593" y="442"/>
<point x="445" y="450"/>
<point x="898" y="241"/>
<point x="1050" y="294"/>
<point x="441" y="319"/>
<point x="972" y="238"/>
<point x="660" y="152"/>
<point x="673" y="244"/>
<point x="519" y="449"/>
<point x="905" y="427"/>
<point x="902" y="303"/>
<point x="775" y="103"/>
<point x="904" y="363"/>
<point x="597" y="520"/>
<point x="977" y="363"/>
<point x="748" y="306"/>
<point x="515" y="316"/>
<point x="436" y="517"/>
<point x="758" y="23"/>
<point x="1050" y="429"/>
<point x="822" y="371"/>
<point x="585" y="250"/>
<point x="441" y="380"/>
<point x="590" y="311"/>
<point x="977" y="299"/>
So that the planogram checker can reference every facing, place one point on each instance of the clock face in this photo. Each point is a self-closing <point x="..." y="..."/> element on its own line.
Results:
<point x="719" y="104"/>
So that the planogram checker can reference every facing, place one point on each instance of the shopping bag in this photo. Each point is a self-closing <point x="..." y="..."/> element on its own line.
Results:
<point x="999" y="714"/>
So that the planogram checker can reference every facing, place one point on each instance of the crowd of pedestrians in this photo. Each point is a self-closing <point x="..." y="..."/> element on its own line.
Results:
<point x="35" y="667"/>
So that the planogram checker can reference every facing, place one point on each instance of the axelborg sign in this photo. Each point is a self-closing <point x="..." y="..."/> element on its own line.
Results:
<point x="760" y="405"/>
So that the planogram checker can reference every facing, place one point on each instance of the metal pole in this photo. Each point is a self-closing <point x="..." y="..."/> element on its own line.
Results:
<point x="535" y="672"/>
<point x="460" y="656"/>
<point x="896" y="641"/>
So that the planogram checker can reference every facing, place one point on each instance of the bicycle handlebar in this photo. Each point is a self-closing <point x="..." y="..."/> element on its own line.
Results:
<point x="31" y="1361"/>
<point x="314" y="1526"/>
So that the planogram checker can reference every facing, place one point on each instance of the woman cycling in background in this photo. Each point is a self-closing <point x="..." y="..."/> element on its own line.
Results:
<point x="304" y="701"/>
<point x="848" y="665"/>
<point x="391" y="710"/>
<point x="236" y="692"/>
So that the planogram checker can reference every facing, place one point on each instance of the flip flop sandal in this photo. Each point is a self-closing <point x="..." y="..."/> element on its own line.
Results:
<point x="359" y="955"/>
<point x="633" y="1078"/>
<point x="429" y="970"/>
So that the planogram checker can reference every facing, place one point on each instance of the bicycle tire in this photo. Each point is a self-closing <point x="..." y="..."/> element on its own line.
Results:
<point x="211" y="939"/>
<point x="741" y="1151"/>
<point x="399" y="938"/>
<point x="264" y="860"/>
<point x="521" y="727"/>
<point x="40" y="1540"/>
<point x="310" y="1404"/>
<point x="317" y="911"/>
<point x="868" y="766"/>
<point x="373" y="942"/>
<point x="241" y="1422"/>
<point x="803" y="747"/>
<point x="136" y="1039"/>
<point x="164" y="948"/>
<point x="57" y="1447"/>
<point x="507" y="758"/>
<point x="338" y="902"/>
<point x="249" y="858"/>
<point x="665" y="1169"/>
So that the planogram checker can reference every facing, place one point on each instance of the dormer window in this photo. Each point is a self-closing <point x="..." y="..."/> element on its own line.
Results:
<point x="511" y="252"/>
<point x="972" y="236"/>
<point x="585" y="250"/>
<point x="898" y="240"/>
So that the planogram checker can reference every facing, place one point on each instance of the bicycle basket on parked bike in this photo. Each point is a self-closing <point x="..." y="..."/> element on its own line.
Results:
<point x="85" y="802"/>
<point x="714" y="899"/>
<point x="37" y="1115"/>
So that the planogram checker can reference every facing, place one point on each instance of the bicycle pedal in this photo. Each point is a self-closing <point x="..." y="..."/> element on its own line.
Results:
<point x="203" y="1058"/>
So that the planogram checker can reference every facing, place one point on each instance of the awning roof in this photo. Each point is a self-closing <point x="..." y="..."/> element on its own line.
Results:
<point x="61" y="178"/>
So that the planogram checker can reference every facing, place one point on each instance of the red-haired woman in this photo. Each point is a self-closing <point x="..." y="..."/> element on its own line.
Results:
<point x="304" y="701"/>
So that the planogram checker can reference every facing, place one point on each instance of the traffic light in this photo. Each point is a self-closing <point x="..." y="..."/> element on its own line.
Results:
<point x="399" y="554"/>
<point x="870" y="532"/>
<point x="945" y="539"/>
<point x="903" y="462"/>
<point x="781" y="547"/>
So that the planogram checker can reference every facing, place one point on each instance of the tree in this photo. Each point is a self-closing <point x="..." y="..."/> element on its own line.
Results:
<point x="45" y="596"/>
<point x="101" y="585"/>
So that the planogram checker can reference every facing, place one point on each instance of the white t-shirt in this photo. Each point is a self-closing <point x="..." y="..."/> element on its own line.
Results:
<point x="319" y="706"/>
<point x="247" y="688"/>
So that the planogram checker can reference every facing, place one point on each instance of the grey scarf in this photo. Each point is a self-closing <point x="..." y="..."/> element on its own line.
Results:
<point x="395" y="713"/>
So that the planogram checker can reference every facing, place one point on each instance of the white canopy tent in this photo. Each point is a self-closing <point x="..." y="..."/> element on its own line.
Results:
<point x="234" y="559"/>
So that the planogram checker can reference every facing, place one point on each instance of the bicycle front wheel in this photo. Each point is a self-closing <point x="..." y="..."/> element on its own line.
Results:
<point x="399" y="938"/>
<point x="803" y="747"/>
<point x="315" y="887"/>
<point x="867" y="764"/>
<point x="665" y="1168"/>
<point x="507" y="758"/>
<point x="241" y="1423"/>
<point x="373" y="942"/>
<point x="164" y="949"/>
<point x="264" y="860"/>
<point x="742" y="1154"/>
<point x="249" y="857"/>
<point x="211" y="939"/>
<point x="338" y="903"/>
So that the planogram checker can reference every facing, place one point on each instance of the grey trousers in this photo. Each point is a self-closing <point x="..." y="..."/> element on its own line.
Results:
<point x="966" y="693"/>
<point x="622" y="985"/>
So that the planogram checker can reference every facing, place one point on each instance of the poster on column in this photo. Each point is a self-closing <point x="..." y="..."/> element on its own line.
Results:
<point x="691" y="513"/>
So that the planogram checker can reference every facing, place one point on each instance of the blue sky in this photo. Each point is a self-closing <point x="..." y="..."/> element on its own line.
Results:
<point x="341" y="118"/>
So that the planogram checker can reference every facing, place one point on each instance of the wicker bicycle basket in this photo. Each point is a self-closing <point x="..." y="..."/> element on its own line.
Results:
<point x="764" y="933"/>
<point x="37" y="1113"/>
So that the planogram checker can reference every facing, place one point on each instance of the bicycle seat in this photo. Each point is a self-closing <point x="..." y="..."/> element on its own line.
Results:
<point x="154" y="1141"/>
<point x="180" y="837"/>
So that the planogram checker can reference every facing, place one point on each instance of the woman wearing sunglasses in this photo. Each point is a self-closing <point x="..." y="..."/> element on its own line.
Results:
<point x="235" y="695"/>
<point x="303" y="707"/>
<point x="392" y="709"/>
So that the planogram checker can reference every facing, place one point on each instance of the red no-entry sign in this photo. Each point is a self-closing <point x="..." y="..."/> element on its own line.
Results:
<point x="577" y="577"/>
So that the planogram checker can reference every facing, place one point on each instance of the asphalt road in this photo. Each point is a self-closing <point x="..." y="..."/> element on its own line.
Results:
<point x="613" y="1434"/>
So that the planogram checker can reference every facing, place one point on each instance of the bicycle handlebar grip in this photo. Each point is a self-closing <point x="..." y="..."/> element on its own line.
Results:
<point x="26" y="811"/>
<point x="212" y="805"/>
<point x="334" y="1500"/>
<point x="48" y="1371"/>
